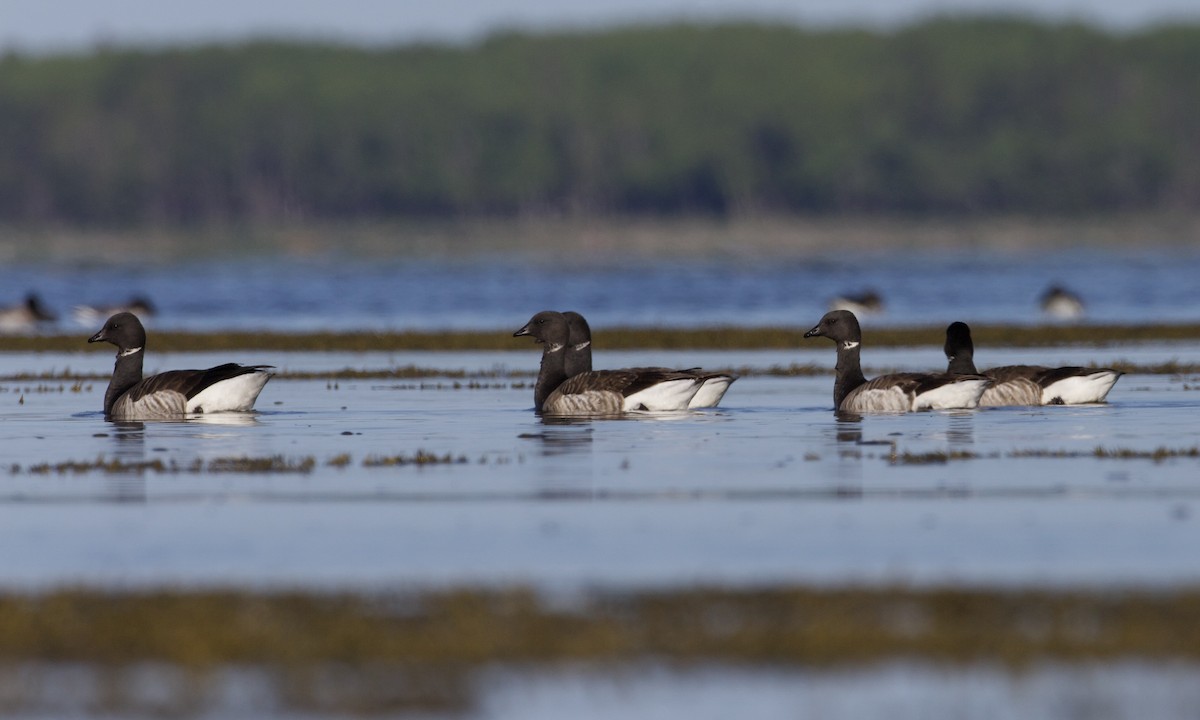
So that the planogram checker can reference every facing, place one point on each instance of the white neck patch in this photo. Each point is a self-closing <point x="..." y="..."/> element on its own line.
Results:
<point x="581" y="345"/>
<point x="849" y="345"/>
<point x="551" y="348"/>
<point x="128" y="352"/>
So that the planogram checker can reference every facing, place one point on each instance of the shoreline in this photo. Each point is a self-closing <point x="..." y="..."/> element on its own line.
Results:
<point x="584" y="241"/>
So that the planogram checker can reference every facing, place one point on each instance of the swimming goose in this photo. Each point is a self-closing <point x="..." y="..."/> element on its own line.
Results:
<point x="1061" y="303"/>
<point x="599" y="392"/>
<point x="28" y="314"/>
<point x="1029" y="384"/>
<point x="863" y="303"/>
<point x="172" y="394"/>
<point x="578" y="358"/>
<point x="88" y="314"/>
<point x="898" y="392"/>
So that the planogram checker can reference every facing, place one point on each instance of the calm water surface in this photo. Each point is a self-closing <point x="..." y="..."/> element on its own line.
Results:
<point x="769" y="488"/>
<point x="339" y="293"/>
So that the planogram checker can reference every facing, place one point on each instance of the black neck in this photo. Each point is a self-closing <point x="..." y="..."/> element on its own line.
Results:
<point x="577" y="360"/>
<point x="550" y="375"/>
<point x="962" y="364"/>
<point x="126" y="373"/>
<point x="849" y="372"/>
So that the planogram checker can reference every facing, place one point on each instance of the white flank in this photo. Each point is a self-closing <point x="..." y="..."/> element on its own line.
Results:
<point x="1080" y="389"/>
<point x="666" y="395"/>
<point x="867" y="400"/>
<point x="964" y="393"/>
<point x="710" y="393"/>
<point x="236" y="394"/>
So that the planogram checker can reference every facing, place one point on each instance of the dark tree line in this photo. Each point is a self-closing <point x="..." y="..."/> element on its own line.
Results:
<point x="949" y="116"/>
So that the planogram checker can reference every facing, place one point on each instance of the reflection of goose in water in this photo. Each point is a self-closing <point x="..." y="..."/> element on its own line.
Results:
<point x="898" y="392"/>
<point x="864" y="303"/>
<point x="1059" y="302"/>
<point x="25" y="316"/>
<point x="560" y="438"/>
<point x="233" y="419"/>
<point x="91" y="314"/>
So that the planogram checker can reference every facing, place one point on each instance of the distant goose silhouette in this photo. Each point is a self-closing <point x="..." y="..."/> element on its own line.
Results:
<point x="175" y="393"/>
<point x="599" y="392"/>
<point x="88" y="314"/>
<point x="898" y="392"/>
<point x="578" y="359"/>
<point x="1061" y="303"/>
<point x="1029" y="384"/>
<point x="864" y="303"/>
<point x="25" y="316"/>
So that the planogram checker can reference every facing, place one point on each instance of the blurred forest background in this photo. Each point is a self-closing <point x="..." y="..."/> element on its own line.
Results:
<point x="967" y="117"/>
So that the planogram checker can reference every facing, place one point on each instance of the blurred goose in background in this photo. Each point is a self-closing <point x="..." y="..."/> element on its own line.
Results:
<point x="599" y="392"/>
<point x="1029" y="384"/>
<point x="90" y="314"/>
<point x="898" y="392"/>
<point x="578" y="359"/>
<point x="1062" y="304"/>
<point x="29" y="314"/>
<point x="173" y="394"/>
<point x="865" y="303"/>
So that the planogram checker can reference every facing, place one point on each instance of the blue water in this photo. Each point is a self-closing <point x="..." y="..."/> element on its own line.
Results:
<point x="349" y="293"/>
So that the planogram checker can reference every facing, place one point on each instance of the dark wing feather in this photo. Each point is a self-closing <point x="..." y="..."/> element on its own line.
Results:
<point x="1008" y="373"/>
<point x="625" y="382"/>
<point x="189" y="383"/>
<point x="916" y="383"/>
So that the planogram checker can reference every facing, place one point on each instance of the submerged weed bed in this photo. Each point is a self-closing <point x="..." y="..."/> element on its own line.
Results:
<point x="55" y="380"/>
<point x="714" y="338"/>
<point x="793" y="625"/>
<point x="423" y="651"/>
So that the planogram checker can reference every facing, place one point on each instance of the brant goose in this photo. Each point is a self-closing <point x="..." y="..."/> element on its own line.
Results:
<point x="599" y="392"/>
<point x="26" y="315"/>
<point x="172" y="394"/>
<point x="899" y="392"/>
<point x="578" y="359"/>
<point x="1029" y="384"/>
<point x="864" y="303"/>
<point x="1061" y="303"/>
<point x="138" y="305"/>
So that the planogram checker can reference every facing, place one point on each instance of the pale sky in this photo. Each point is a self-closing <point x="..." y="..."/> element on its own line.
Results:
<point x="53" y="25"/>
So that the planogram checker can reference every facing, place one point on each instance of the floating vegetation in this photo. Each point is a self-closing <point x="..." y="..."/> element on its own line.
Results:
<point x="339" y="461"/>
<point x="272" y="464"/>
<point x="420" y="457"/>
<point x="242" y="464"/>
<point x="74" y="467"/>
<point x="941" y="457"/>
<point x="1158" y="454"/>
<point x="932" y="458"/>
<point x="379" y="653"/>
<point x="460" y="379"/>
<point x="714" y="338"/>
